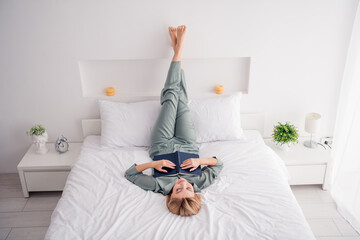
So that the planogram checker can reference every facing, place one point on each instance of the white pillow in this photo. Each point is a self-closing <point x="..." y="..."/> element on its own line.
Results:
<point x="130" y="124"/>
<point x="217" y="119"/>
<point x="127" y="124"/>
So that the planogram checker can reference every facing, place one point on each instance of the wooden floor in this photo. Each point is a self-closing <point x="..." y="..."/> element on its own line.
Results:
<point x="28" y="218"/>
<point x="24" y="218"/>
<point x="321" y="214"/>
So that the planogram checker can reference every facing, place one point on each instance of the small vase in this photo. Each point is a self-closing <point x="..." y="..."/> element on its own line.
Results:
<point x="40" y="143"/>
<point x="285" y="146"/>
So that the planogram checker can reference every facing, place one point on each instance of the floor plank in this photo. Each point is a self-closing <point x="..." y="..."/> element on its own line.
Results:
<point x="320" y="210"/>
<point x="12" y="204"/>
<point x="9" y="179"/>
<point x="325" y="196"/>
<point x="345" y="228"/>
<point x="41" y="203"/>
<point x="25" y="219"/>
<point x="32" y="233"/>
<point x="4" y="232"/>
<point x="10" y="191"/>
<point x="324" y="227"/>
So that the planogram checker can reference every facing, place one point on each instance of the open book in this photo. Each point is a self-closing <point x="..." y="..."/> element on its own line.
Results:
<point x="177" y="158"/>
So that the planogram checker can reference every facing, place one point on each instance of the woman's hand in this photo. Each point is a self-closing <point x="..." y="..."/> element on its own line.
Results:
<point x="192" y="163"/>
<point x="158" y="165"/>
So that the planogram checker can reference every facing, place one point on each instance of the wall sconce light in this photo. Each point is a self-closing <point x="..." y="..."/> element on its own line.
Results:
<point x="219" y="89"/>
<point x="110" y="91"/>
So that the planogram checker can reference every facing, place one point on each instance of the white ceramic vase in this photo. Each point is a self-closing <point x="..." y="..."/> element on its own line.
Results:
<point x="40" y="143"/>
<point x="285" y="146"/>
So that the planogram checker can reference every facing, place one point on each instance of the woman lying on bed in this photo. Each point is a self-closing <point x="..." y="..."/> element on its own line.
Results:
<point x="173" y="132"/>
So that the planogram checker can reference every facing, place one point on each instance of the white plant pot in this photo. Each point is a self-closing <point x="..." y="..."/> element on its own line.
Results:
<point x="40" y="143"/>
<point x="285" y="146"/>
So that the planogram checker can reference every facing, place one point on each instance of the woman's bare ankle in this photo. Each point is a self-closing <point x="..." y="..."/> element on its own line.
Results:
<point x="173" y="36"/>
<point x="180" y="35"/>
<point x="176" y="59"/>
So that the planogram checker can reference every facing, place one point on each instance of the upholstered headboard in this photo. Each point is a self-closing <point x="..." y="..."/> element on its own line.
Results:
<point x="249" y="121"/>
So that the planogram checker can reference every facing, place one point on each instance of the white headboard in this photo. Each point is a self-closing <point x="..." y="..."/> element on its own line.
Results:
<point x="249" y="121"/>
<point x="124" y="75"/>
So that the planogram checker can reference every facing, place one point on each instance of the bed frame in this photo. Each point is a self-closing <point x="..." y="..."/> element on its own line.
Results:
<point x="249" y="121"/>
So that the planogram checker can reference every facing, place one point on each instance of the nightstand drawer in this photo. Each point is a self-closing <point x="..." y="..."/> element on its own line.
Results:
<point x="46" y="181"/>
<point x="309" y="174"/>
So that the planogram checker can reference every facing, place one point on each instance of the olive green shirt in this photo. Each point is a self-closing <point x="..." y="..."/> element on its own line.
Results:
<point x="165" y="184"/>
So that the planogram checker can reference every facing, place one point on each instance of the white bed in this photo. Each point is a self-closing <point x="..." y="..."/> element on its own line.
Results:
<point x="250" y="199"/>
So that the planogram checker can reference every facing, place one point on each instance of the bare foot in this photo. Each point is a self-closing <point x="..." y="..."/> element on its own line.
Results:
<point x="181" y="30"/>
<point x="180" y="34"/>
<point x="173" y="35"/>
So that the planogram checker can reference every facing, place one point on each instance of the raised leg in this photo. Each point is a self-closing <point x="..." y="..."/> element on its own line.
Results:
<point x="184" y="128"/>
<point x="164" y="129"/>
<point x="185" y="135"/>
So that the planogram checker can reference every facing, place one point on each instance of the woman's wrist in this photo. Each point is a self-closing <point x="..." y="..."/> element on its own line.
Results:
<point x="144" y="166"/>
<point x="208" y="161"/>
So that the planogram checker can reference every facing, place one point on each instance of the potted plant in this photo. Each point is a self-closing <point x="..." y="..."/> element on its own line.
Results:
<point x="285" y="135"/>
<point x="39" y="137"/>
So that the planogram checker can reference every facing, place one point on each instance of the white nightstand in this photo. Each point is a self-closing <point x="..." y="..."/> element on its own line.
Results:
<point x="46" y="172"/>
<point x="305" y="165"/>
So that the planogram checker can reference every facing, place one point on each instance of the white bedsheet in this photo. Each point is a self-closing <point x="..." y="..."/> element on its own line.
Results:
<point x="249" y="200"/>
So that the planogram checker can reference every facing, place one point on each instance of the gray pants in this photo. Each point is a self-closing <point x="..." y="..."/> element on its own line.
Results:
<point x="173" y="130"/>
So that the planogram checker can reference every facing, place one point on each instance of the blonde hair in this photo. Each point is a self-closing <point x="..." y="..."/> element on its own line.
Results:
<point x="184" y="206"/>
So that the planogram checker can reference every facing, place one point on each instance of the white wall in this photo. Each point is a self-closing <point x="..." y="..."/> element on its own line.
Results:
<point x="297" y="49"/>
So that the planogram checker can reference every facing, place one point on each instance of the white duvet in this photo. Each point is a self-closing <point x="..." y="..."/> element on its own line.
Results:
<point x="250" y="199"/>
